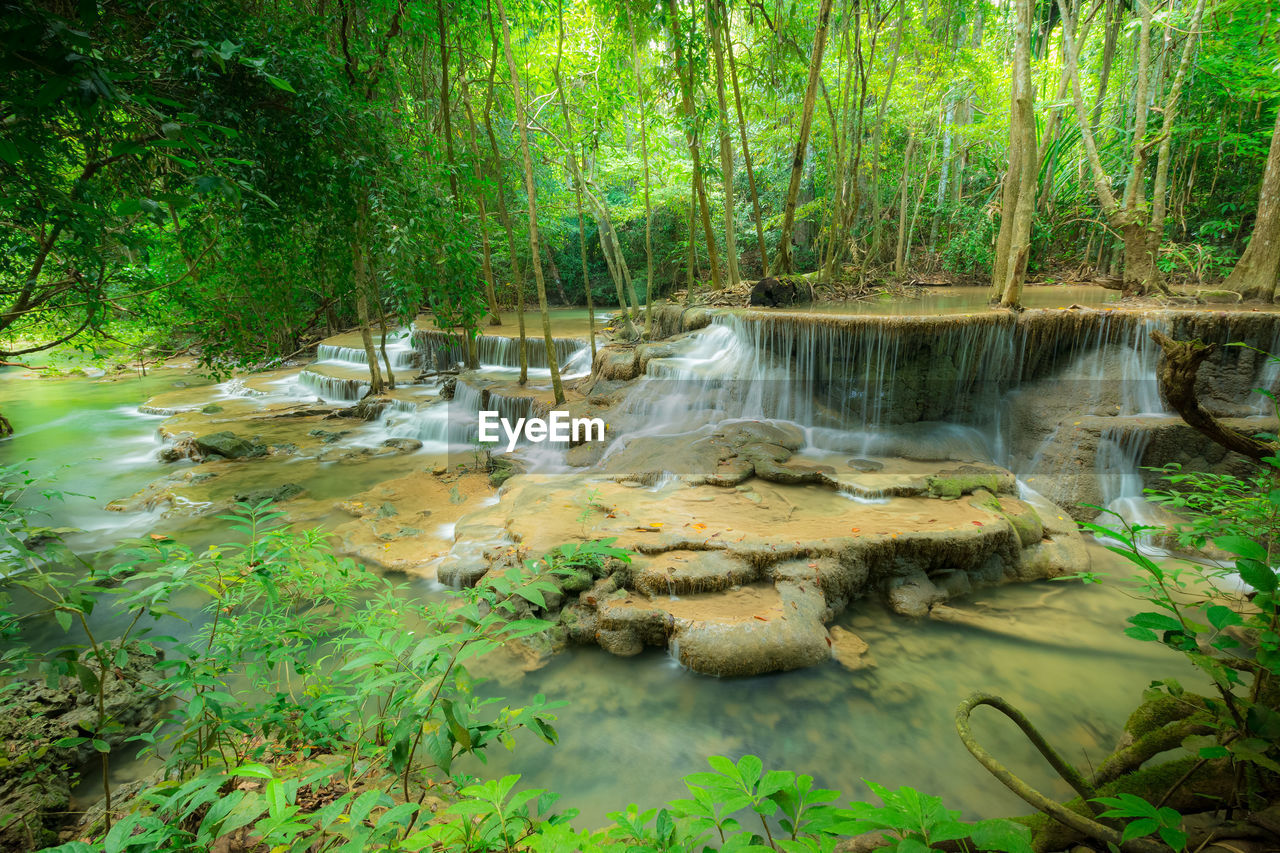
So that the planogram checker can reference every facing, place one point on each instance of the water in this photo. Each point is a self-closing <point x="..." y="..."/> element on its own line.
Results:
<point x="854" y="388"/>
<point x="957" y="300"/>
<point x="85" y="438"/>
<point x="1076" y="677"/>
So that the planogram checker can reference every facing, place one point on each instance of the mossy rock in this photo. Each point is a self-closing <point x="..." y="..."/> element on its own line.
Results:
<point x="211" y="409"/>
<point x="966" y="480"/>
<point x="1220" y="297"/>
<point x="501" y="469"/>
<point x="283" y="492"/>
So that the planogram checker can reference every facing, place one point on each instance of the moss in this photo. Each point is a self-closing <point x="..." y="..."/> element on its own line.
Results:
<point x="501" y="471"/>
<point x="955" y="485"/>
<point x="1158" y="712"/>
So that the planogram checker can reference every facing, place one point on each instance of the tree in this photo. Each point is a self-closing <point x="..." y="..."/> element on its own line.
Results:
<point x="1013" y="246"/>
<point x="532" y="198"/>
<point x="1254" y="275"/>
<point x="784" y="264"/>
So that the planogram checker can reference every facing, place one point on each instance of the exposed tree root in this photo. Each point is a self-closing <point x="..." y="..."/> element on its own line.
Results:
<point x="1179" y="362"/>
<point x="1076" y="819"/>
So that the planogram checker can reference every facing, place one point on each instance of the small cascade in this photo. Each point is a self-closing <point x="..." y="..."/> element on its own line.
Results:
<point x="238" y="387"/>
<point x="331" y="388"/>
<point x="1117" y="465"/>
<point x="452" y="425"/>
<point x="443" y="350"/>
<point x="400" y="353"/>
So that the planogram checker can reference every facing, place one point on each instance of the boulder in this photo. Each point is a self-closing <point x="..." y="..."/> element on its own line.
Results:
<point x="283" y="492"/>
<point x="404" y="445"/>
<point x="778" y="292"/>
<point x="229" y="446"/>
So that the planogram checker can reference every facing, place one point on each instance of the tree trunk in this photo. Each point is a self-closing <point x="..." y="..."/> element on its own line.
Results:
<point x="746" y="150"/>
<point x="715" y="25"/>
<point x="899" y="262"/>
<point x="531" y="193"/>
<point x="442" y="32"/>
<point x="691" y="135"/>
<point x="486" y="256"/>
<point x="1256" y="272"/>
<point x="364" y="289"/>
<point x="1022" y="135"/>
<point x="517" y="273"/>
<point x="386" y="359"/>
<point x="644" y="154"/>
<point x="806" y="121"/>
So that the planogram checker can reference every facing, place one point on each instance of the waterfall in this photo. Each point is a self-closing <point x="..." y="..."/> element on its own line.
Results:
<point x="401" y="353"/>
<point x="442" y="350"/>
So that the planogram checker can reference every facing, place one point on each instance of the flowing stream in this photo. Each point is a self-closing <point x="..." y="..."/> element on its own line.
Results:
<point x="632" y="726"/>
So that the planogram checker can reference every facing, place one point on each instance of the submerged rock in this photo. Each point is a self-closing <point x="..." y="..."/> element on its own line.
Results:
<point x="283" y="492"/>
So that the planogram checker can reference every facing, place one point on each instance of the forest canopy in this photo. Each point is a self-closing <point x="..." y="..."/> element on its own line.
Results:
<point x="248" y="178"/>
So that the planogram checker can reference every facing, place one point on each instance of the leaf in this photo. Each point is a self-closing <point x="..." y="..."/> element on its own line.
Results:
<point x="1155" y="621"/>
<point x="1256" y="575"/>
<point x="1143" y="634"/>
<point x="1001" y="834"/>
<point x="1241" y="546"/>
<point x="280" y="83"/>
<point x="1220" y="616"/>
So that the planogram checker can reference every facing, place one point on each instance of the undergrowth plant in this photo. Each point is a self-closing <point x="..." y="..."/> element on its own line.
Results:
<point x="314" y="706"/>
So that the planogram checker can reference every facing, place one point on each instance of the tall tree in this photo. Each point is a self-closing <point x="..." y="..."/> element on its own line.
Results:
<point x="644" y="155"/>
<point x="685" y="73"/>
<point x="715" y="26"/>
<point x="1256" y="272"/>
<point x="532" y="202"/>
<point x="784" y="262"/>
<point x="1013" y="245"/>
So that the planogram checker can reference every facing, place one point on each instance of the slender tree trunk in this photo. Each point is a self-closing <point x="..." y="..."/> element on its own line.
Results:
<point x="806" y="121"/>
<point x="691" y="135"/>
<point x="517" y="273"/>
<point x="877" y="227"/>
<point x="714" y="26"/>
<point x="586" y="279"/>
<point x="746" y="150"/>
<point x="1113" y="13"/>
<point x="364" y="290"/>
<point x="486" y="255"/>
<point x="531" y="193"/>
<point x="1159" y="189"/>
<point x="691" y="263"/>
<point x="386" y="359"/>
<point x="445" y="106"/>
<point x="1256" y="272"/>
<point x="644" y="154"/>
<point x="900" y="261"/>
<point x="1023" y="136"/>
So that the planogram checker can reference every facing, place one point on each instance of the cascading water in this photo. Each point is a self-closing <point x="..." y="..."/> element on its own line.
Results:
<point x="924" y="387"/>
